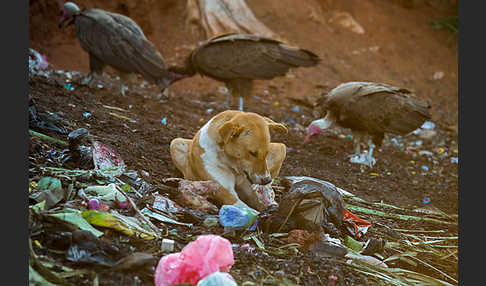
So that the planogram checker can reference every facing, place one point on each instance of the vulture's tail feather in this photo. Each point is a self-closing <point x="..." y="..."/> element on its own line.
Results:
<point x="298" y="57"/>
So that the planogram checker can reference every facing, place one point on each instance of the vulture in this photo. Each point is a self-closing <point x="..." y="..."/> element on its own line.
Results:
<point x="370" y="110"/>
<point x="238" y="59"/>
<point x="115" y="40"/>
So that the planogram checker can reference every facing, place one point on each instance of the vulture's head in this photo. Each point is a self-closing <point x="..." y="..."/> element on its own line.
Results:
<point x="68" y="12"/>
<point x="318" y="126"/>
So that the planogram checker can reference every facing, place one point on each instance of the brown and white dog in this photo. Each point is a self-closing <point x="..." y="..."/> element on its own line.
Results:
<point x="233" y="149"/>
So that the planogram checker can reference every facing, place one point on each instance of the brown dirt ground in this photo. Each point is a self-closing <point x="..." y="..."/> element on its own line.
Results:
<point x="409" y="52"/>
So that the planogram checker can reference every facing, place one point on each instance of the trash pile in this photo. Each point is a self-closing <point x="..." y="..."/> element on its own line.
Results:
<point x="96" y="217"/>
<point x="73" y="209"/>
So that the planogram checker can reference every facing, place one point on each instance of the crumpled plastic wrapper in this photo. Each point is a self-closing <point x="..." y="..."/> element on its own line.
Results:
<point x="312" y="204"/>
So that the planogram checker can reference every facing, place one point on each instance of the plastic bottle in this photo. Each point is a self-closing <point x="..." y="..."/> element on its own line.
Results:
<point x="236" y="217"/>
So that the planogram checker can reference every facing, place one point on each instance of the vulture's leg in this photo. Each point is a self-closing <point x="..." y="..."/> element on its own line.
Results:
<point x="362" y="158"/>
<point x="357" y="145"/>
<point x="233" y="90"/>
<point x="95" y="69"/>
<point x="227" y="101"/>
<point x="371" y="161"/>
<point x="124" y="78"/>
<point x="241" y="103"/>
<point x="365" y="158"/>
<point x="87" y="80"/>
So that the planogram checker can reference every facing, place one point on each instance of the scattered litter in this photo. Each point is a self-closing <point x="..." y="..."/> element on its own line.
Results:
<point x="167" y="245"/>
<point x="105" y="157"/>
<point x="374" y="174"/>
<point x="416" y="143"/>
<point x="395" y="142"/>
<point x="296" y="109"/>
<point x="211" y="221"/>
<point x="353" y="244"/>
<point x="68" y="86"/>
<point x="194" y="195"/>
<point x="365" y="258"/>
<point x="373" y="245"/>
<point x="333" y="279"/>
<point x="276" y="103"/>
<point x="125" y="224"/>
<point x="426" y="200"/>
<point x="104" y="208"/>
<point x="86" y="114"/>
<point x="265" y="196"/>
<point x="454" y="160"/>
<point x="236" y="218"/>
<point x="86" y="248"/>
<point x="73" y="216"/>
<point x="310" y="205"/>
<point x="198" y="259"/>
<point x="135" y="260"/>
<point x="49" y="183"/>
<point x="217" y="279"/>
<point x="50" y="196"/>
<point x="164" y="204"/>
<point x="162" y="218"/>
<point x="37" y="60"/>
<point x="123" y="117"/>
<point x="100" y="86"/>
<point x="164" y="121"/>
<point x="327" y="248"/>
<point x="355" y="225"/>
<point x="438" y="75"/>
<point x="302" y="237"/>
<point x="425" y="168"/>
<point x="106" y="194"/>
<point x="428" y="125"/>
<point x="114" y="108"/>
<point x="93" y="204"/>
<point x="425" y="153"/>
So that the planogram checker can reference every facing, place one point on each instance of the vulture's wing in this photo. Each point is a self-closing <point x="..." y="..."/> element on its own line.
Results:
<point x="233" y="56"/>
<point x="379" y="108"/>
<point x="119" y="42"/>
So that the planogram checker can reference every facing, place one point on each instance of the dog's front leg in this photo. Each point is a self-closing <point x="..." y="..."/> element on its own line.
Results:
<point x="276" y="156"/>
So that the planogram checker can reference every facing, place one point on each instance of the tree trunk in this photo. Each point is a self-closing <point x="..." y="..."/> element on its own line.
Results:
<point x="216" y="17"/>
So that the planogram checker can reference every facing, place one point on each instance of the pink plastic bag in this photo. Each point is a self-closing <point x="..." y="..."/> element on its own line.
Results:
<point x="206" y="255"/>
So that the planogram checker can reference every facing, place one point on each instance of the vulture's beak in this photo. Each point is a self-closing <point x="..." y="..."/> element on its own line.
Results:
<point x="310" y="131"/>
<point x="61" y="21"/>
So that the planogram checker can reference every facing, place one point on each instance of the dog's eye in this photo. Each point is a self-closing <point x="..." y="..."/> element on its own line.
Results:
<point x="254" y="154"/>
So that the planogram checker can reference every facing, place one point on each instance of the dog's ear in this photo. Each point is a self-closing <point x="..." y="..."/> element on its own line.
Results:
<point x="274" y="126"/>
<point x="278" y="127"/>
<point x="229" y="130"/>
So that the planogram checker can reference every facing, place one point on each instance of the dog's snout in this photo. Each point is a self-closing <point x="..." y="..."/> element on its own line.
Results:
<point x="266" y="180"/>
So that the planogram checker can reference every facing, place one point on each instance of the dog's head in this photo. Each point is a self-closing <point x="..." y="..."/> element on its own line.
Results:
<point x="245" y="140"/>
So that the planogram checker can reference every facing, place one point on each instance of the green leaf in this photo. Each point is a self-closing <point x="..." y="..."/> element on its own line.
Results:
<point x="39" y="207"/>
<point x="127" y="225"/>
<point x="76" y="219"/>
